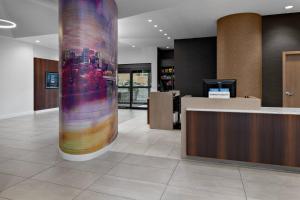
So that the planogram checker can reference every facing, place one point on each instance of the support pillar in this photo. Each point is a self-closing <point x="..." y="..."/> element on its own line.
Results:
<point x="88" y="66"/>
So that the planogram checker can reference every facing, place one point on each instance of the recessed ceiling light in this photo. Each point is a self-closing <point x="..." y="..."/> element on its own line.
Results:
<point x="149" y="20"/>
<point x="133" y="46"/>
<point x="155" y="26"/>
<point x="169" y="38"/>
<point x="160" y="30"/>
<point x="289" y="7"/>
<point x="5" y="24"/>
<point x="37" y="41"/>
<point x="165" y="34"/>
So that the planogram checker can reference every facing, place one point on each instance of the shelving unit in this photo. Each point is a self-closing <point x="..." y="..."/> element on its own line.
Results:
<point x="167" y="78"/>
<point x="166" y="70"/>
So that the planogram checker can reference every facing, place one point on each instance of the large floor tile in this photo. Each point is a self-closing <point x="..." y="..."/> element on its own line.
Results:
<point x="150" y="161"/>
<point x="176" y="152"/>
<point x="97" y="166"/>
<point x="128" y="188"/>
<point x="8" y="180"/>
<point x="148" y="138"/>
<point x="89" y="195"/>
<point x="21" y="168"/>
<point x="142" y="173"/>
<point x="232" y="187"/>
<point x="118" y="146"/>
<point x="269" y="176"/>
<point x="38" y="190"/>
<point x="53" y="148"/>
<point x="69" y="177"/>
<point x="41" y="157"/>
<point x="159" y="150"/>
<point x="3" y="159"/>
<point x="174" y="193"/>
<point x="263" y="191"/>
<point x="12" y="153"/>
<point x="208" y="169"/>
<point x="113" y="156"/>
<point x="135" y="148"/>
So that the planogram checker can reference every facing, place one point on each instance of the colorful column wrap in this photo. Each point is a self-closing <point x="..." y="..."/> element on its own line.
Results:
<point x="88" y="65"/>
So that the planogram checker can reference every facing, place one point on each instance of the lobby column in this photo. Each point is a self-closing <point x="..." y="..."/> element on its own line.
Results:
<point x="88" y="66"/>
<point x="239" y="52"/>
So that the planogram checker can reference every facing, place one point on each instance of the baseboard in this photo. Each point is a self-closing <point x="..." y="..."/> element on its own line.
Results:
<point x="46" y="110"/>
<point x="85" y="157"/>
<point x="12" y="115"/>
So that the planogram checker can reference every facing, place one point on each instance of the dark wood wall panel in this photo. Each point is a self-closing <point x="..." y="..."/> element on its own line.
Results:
<point x="260" y="138"/>
<point x="195" y="60"/>
<point x="280" y="33"/>
<point x="44" y="98"/>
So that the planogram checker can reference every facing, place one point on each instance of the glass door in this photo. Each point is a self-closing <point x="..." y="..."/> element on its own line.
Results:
<point x="134" y="88"/>
<point x="124" y="87"/>
<point x="140" y="88"/>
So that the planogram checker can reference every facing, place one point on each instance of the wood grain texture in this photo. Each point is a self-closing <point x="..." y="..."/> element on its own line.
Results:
<point x="206" y="103"/>
<point x="44" y="98"/>
<point x="161" y="110"/>
<point x="250" y="137"/>
<point x="290" y="77"/>
<point x="239" y="52"/>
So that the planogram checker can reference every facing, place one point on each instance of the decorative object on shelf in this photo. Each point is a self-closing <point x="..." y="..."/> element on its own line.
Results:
<point x="167" y="78"/>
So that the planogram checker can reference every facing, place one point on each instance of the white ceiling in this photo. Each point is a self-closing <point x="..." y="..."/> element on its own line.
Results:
<point x="38" y="19"/>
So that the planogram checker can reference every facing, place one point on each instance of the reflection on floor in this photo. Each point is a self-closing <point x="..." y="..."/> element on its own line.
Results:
<point x="144" y="164"/>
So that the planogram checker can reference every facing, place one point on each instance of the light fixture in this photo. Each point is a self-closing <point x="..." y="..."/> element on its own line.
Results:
<point x="149" y="20"/>
<point x="37" y="41"/>
<point x="133" y="46"/>
<point x="160" y="30"/>
<point x="289" y="7"/>
<point x="155" y="26"/>
<point x="165" y="34"/>
<point x="5" y="24"/>
<point x="169" y="38"/>
<point x="168" y="47"/>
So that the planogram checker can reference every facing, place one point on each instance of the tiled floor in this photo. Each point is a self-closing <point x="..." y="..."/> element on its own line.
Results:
<point x="144" y="164"/>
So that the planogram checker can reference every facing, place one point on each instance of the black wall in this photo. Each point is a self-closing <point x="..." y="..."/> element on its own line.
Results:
<point x="280" y="33"/>
<point x="165" y="57"/>
<point x="195" y="60"/>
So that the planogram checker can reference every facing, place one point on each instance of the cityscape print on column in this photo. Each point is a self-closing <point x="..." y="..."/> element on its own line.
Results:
<point x="88" y="67"/>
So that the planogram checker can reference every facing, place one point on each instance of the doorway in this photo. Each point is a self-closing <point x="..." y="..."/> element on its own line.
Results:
<point x="134" y="85"/>
<point x="291" y="81"/>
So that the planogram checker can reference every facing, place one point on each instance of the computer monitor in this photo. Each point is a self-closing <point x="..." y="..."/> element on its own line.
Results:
<point x="219" y="84"/>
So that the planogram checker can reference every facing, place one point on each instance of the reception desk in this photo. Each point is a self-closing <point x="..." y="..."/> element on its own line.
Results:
<point x="264" y="135"/>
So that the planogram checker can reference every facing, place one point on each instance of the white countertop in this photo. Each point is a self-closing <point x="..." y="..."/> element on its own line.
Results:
<point x="264" y="110"/>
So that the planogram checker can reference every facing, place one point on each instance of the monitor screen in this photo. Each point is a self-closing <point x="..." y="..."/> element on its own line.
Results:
<point x="52" y="80"/>
<point x="228" y="84"/>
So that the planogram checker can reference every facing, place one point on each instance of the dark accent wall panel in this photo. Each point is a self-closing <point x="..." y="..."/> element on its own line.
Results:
<point x="44" y="98"/>
<point x="280" y="33"/>
<point x="165" y="58"/>
<point x="195" y="60"/>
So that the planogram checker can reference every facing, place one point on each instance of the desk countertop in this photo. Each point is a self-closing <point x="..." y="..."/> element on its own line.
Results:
<point x="263" y="110"/>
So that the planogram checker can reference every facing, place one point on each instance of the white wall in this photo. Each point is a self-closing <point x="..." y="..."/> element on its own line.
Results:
<point x="140" y="55"/>
<point x="16" y="76"/>
<point x="46" y="53"/>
